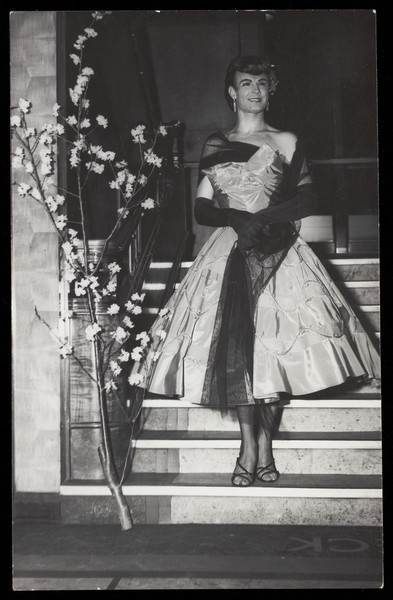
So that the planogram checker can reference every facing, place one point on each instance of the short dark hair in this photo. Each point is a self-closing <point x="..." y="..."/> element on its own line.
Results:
<point x="254" y="65"/>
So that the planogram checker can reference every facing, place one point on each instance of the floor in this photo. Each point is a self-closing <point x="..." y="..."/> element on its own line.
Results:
<point x="49" y="556"/>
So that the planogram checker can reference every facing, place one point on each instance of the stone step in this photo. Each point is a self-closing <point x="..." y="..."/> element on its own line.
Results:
<point x="340" y="268"/>
<point x="216" y="452"/>
<point x="295" y="452"/>
<point x="348" y="417"/>
<point x="352" y="461"/>
<point x="210" y="498"/>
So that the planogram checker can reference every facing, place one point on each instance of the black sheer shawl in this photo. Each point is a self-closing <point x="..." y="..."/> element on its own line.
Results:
<point x="253" y="261"/>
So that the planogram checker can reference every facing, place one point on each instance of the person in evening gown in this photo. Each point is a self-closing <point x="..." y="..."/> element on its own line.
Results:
<point x="257" y="314"/>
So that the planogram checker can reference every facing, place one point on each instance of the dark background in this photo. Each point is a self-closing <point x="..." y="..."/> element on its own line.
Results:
<point x="326" y="65"/>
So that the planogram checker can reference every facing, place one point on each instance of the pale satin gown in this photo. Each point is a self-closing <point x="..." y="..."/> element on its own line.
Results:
<point x="307" y="336"/>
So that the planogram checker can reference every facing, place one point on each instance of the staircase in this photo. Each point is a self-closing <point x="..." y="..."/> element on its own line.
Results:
<point x="328" y="448"/>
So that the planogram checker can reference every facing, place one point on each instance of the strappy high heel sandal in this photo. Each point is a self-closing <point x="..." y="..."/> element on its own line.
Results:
<point x="246" y="475"/>
<point x="261" y="472"/>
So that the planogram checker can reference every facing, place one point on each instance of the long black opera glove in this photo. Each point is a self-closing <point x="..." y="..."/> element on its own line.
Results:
<point x="207" y="214"/>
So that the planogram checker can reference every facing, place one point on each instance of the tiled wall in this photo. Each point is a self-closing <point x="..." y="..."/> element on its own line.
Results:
<point x="36" y="364"/>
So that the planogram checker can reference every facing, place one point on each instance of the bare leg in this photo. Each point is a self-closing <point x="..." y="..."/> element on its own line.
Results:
<point x="268" y="422"/>
<point x="247" y="416"/>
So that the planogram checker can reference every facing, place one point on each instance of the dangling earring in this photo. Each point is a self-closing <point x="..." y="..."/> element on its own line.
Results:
<point x="267" y="106"/>
<point x="234" y="105"/>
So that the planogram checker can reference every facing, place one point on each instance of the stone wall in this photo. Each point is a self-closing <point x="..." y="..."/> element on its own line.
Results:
<point x="36" y="364"/>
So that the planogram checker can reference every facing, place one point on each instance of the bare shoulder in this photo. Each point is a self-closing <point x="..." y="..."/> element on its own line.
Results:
<point x="286" y="142"/>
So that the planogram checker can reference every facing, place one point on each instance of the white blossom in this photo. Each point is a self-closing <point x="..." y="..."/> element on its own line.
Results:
<point x="111" y="287"/>
<point x="90" y="32"/>
<point x="121" y="164"/>
<point x="161" y="334"/>
<point x="128" y="323"/>
<point x="123" y="212"/>
<point x="24" y="106"/>
<point x="93" y="282"/>
<point x="69" y="276"/>
<point x="115" y="367"/>
<point x="30" y="132"/>
<point x="15" y="121"/>
<point x="23" y="189"/>
<point x="105" y="155"/>
<point x="163" y="312"/>
<point x="142" y="179"/>
<point x="19" y="151"/>
<point x="136" y="379"/>
<point x="97" y="15"/>
<point x="113" y="309"/>
<point x="81" y="143"/>
<point x="46" y="169"/>
<point x="136" y="354"/>
<point x="97" y="168"/>
<point x="48" y="183"/>
<point x="138" y="297"/>
<point x="17" y="162"/>
<point x="114" y="268"/>
<point x="60" y="129"/>
<point x="144" y="338"/>
<point x="136" y="310"/>
<point x="155" y="356"/>
<point x="46" y="138"/>
<point x="80" y="42"/>
<point x="51" y="204"/>
<point x="148" y="203"/>
<point x="67" y="247"/>
<point x="71" y="120"/>
<point x="74" y="158"/>
<point x="102" y="121"/>
<point x="60" y="199"/>
<point x="49" y="127"/>
<point x="65" y="350"/>
<point x="75" y="95"/>
<point x="61" y="222"/>
<point x="29" y="167"/>
<point x="85" y="123"/>
<point x="124" y="356"/>
<point x="137" y="134"/>
<point x="129" y="305"/>
<point x="162" y="130"/>
<point x="72" y="232"/>
<point x="91" y="331"/>
<point x="79" y="289"/>
<point x="55" y="109"/>
<point x="152" y="158"/>
<point x="120" y="334"/>
<point x="75" y="241"/>
<point x="76" y="60"/>
<point x="87" y="71"/>
<point x="85" y="103"/>
<point x="110" y="385"/>
<point x="36" y="194"/>
<point x="95" y="149"/>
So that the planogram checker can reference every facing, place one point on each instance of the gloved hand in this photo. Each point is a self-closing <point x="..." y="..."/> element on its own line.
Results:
<point x="207" y="214"/>
<point x="266" y="237"/>
<point x="239" y="219"/>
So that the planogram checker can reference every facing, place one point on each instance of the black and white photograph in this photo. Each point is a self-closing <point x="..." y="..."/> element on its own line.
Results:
<point x="196" y="381"/>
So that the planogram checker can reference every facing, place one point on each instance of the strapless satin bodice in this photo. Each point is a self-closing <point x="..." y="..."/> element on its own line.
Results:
<point x="247" y="185"/>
